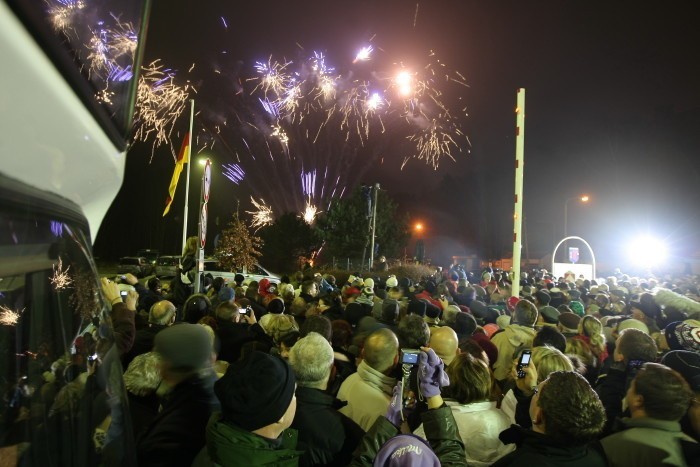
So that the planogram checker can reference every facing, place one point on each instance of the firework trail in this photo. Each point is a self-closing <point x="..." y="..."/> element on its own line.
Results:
<point x="234" y="172"/>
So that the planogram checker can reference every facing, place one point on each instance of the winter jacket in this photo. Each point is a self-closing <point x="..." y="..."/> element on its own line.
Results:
<point x="368" y="393"/>
<point x="229" y="445"/>
<point x="646" y="442"/>
<point x="513" y="337"/>
<point x="479" y="425"/>
<point x="537" y="449"/>
<point x="441" y="432"/>
<point x="176" y="435"/>
<point x="326" y="436"/>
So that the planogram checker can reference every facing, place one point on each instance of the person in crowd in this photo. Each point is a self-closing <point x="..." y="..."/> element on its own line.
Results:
<point x="658" y="398"/>
<point x="195" y="308"/>
<point x="331" y="306"/>
<point x="413" y="332"/>
<point x="232" y="330"/>
<point x="633" y="349"/>
<point x="384" y="445"/>
<point x="567" y="417"/>
<point x="518" y="334"/>
<point x="318" y="324"/>
<point x="549" y="335"/>
<point x="176" y="435"/>
<point x="161" y="315"/>
<point x="368" y="391"/>
<point x="687" y="364"/>
<point x="648" y="312"/>
<point x="326" y="436"/>
<point x="149" y="295"/>
<point x="444" y="342"/>
<point x="142" y="380"/>
<point x="478" y="420"/>
<point x="258" y="406"/>
<point x="590" y="346"/>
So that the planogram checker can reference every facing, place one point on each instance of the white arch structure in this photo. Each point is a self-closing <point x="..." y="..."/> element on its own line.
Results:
<point x="573" y="237"/>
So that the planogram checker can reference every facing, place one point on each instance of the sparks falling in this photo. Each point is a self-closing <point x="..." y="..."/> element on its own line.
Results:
<point x="60" y="278"/>
<point x="262" y="216"/>
<point x="310" y="213"/>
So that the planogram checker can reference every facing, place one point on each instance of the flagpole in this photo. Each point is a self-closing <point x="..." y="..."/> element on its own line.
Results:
<point x="187" y="183"/>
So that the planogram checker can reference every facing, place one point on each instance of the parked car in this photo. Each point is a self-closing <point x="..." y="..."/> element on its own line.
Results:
<point x="136" y="265"/>
<point x="150" y="255"/>
<point x="166" y="266"/>
<point x="256" y="273"/>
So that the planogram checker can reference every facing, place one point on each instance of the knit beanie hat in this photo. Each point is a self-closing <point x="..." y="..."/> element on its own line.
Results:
<point x="391" y="281"/>
<point x="276" y="306"/>
<point x="369" y="282"/>
<point x="406" y="451"/>
<point x="226" y="294"/>
<point x="683" y="335"/>
<point x="256" y="390"/>
<point x="687" y="364"/>
<point x="633" y="323"/>
<point x="184" y="346"/>
<point x="577" y="307"/>
<point x="417" y="307"/>
<point x="465" y="324"/>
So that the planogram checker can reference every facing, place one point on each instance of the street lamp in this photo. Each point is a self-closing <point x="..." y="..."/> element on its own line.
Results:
<point x="583" y="199"/>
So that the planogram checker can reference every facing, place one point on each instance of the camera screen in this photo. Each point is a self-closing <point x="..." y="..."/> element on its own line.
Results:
<point x="124" y="293"/>
<point x="411" y="358"/>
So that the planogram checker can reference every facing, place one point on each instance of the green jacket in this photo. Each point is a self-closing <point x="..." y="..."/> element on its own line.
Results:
<point x="646" y="441"/>
<point x="229" y="445"/>
<point x="440" y="430"/>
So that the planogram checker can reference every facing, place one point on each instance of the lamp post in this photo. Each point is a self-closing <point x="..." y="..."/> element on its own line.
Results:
<point x="420" y="246"/>
<point x="583" y="199"/>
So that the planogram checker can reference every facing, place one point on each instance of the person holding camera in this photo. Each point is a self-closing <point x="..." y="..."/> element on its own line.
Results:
<point x="633" y="349"/>
<point x="567" y="417"/>
<point x="384" y="444"/>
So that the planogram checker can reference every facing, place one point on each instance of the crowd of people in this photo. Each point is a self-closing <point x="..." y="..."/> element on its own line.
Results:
<point x="382" y="370"/>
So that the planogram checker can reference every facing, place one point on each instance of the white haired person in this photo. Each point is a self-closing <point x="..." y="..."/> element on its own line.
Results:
<point x="326" y="436"/>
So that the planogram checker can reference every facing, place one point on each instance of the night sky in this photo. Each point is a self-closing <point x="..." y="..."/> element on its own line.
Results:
<point x="612" y="112"/>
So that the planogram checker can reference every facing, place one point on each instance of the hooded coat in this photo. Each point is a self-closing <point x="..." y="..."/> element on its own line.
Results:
<point x="513" y="337"/>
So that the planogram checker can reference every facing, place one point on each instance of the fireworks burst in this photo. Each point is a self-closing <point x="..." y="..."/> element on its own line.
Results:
<point x="9" y="317"/>
<point x="60" y="278"/>
<point x="364" y="54"/>
<point x="159" y="103"/>
<point x="309" y="214"/>
<point x="262" y="216"/>
<point x="62" y="13"/>
<point x="234" y="172"/>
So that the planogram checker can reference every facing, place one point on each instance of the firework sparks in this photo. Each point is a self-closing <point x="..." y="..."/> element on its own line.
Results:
<point x="160" y="102"/>
<point x="374" y="102"/>
<point x="62" y="13"/>
<point x="404" y="83"/>
<point x="60" y="278"/>
<point x="278" y="132"/>
<point x="262" y="216"/>
<point x="234" y="172"/>
<point x="310" y="213"/>
<point x="9" y="317"/>
<point x="364" y="54"/>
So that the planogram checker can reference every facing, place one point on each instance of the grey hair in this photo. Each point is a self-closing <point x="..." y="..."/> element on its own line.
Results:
<point x="311" y="359"/>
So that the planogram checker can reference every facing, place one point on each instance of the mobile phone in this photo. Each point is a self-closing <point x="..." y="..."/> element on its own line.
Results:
<point x="92" y="357"/>
<point x="409" y="356"/>
<point x="523" y="362"/>
<point x="248" y="310"/>
<point x="123" y="293"/>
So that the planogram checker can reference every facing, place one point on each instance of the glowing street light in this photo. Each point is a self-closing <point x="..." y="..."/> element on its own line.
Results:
<point x="583" y="199"/>
<point x="418" y="227"/>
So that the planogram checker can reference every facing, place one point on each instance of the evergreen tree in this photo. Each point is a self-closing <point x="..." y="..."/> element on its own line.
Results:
<point x="289" y="241"/>
<point x="237" y="247"/>
<point x="346" y="226"/>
